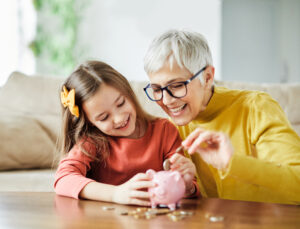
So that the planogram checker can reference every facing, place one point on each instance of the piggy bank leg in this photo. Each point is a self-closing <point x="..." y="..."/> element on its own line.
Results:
<point x="153" y="204"/>
<point x="172" y="207"/>
<point x="178" y="204"/>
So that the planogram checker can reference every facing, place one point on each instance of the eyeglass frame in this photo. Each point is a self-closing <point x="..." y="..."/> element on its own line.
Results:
<point x="169" y="92"/>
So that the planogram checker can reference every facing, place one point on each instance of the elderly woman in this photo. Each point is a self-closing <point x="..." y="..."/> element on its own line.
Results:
<point x="241" y="141"/>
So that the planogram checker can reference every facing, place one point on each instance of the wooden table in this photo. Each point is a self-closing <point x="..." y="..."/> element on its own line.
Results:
<point x="47" y="210"/>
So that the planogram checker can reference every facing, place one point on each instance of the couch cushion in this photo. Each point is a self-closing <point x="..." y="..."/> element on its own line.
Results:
<point x="29" y="121"/>
<point x="29" y="180"/>
<point x="24" y="143"/>
<point x="31" y="94"/>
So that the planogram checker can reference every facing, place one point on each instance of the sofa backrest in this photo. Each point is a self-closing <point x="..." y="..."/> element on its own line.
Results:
<point x="30" y="115"/>
<point x="29" y="121"/>
<point x="39" y="96"/>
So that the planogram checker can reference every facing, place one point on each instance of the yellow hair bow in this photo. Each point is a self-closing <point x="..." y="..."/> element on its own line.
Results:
<point x="67" y="98"/>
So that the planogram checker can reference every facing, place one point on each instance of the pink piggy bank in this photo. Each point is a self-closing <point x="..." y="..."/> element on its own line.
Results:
<point x="169" y="190"/>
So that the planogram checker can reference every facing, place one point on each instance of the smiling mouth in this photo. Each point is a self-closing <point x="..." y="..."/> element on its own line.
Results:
<point x="124" y="124"/>
<point x="177" y="110"/>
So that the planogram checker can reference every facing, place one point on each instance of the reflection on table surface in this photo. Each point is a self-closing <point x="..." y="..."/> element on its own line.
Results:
<point x="237" y="214"/>
<point x="47" y="210"/>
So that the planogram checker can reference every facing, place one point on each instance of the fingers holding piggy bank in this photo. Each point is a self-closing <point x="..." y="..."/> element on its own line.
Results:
<point x="186" y="168"/>
<point x="169" y="188"/>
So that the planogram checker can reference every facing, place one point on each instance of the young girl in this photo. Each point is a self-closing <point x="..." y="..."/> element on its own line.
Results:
<point x="109" y="141"/>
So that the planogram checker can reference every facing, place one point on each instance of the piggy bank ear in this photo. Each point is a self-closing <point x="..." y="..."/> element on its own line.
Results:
<point x="150" y="173"/>
<point x="176" y="175"/>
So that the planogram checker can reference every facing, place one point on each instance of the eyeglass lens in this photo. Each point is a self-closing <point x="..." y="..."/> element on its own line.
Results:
<point x="176" y="90"/>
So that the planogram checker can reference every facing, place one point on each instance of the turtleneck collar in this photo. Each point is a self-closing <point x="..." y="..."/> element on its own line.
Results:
<point x="217" y="101"/>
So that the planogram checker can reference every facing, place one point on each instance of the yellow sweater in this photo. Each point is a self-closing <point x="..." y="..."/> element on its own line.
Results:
<point x="266" y="162"/>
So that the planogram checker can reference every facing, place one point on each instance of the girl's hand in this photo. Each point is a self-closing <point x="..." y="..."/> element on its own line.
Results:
<point x="214" y="147"/>
<point x="130" y="192"/>
<point x="186" y="168"/>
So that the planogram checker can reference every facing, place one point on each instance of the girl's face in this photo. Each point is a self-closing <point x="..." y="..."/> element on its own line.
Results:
<point x="111" y="112"/>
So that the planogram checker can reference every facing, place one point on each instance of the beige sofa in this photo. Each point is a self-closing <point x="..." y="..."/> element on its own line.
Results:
<point x="30" y="124"/>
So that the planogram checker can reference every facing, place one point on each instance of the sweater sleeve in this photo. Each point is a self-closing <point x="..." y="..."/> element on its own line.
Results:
<point x="172" y="141"/>
<point x="275" y="162"/>
<point x="70" y="177"/>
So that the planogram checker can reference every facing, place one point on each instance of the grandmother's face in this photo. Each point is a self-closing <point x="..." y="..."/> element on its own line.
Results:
<point x="185" y="109"/>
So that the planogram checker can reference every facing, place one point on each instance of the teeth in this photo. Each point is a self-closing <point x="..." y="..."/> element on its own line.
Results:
<point x="124" y="124"/>
<point x="175" y="110"/>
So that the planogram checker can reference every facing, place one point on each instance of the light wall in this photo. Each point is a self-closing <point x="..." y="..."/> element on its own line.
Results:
<point x="8" y="40"/>
<point x="252" y="41"/>
<point x="119" y="32"/>
<point x="17" y="23"/>
<point x="261" y="40"/>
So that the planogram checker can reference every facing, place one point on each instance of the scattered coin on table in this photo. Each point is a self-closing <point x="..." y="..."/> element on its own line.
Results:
<point x="149" y="213"/>
<point x="214" y="218"/>
<point x="108" y="208"/>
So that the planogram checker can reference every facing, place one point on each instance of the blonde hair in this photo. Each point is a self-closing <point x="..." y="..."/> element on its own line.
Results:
<point x="86" y="80"/>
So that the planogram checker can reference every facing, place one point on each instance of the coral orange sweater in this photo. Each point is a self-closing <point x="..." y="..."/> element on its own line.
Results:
<point x="127" y="157"/>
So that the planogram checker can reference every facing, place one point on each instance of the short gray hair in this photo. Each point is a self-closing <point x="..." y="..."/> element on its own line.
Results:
<point x="189" y="49"/>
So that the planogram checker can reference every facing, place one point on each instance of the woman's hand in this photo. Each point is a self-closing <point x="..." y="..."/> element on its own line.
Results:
<point x="186" y="168"/>
<point x="134" y="191"/>
<point x="214" y="147"/>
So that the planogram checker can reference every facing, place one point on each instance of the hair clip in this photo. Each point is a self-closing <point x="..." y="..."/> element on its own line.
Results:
<point x="67" y="99"/>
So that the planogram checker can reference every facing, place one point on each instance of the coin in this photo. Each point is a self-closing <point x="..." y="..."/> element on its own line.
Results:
<point x="167" y="164"/>
<point x="186" y="213"/>
<point x="177" y="213"/>
<point x="139" y="216"/>
<point x="124" y="213"/>
<point x="150" y="215"/>
<point x="141" y="209"/>
<point x="216" y="218"/>
<point x="175" y="218"/>
<point x="178" y="149"/>
<point x="161" y="211"/>
<point x="132" y="212"/>
<point x="107" y="208"/>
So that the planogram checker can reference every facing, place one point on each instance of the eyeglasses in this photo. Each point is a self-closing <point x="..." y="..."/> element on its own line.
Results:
<point x="176" y="89"/>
